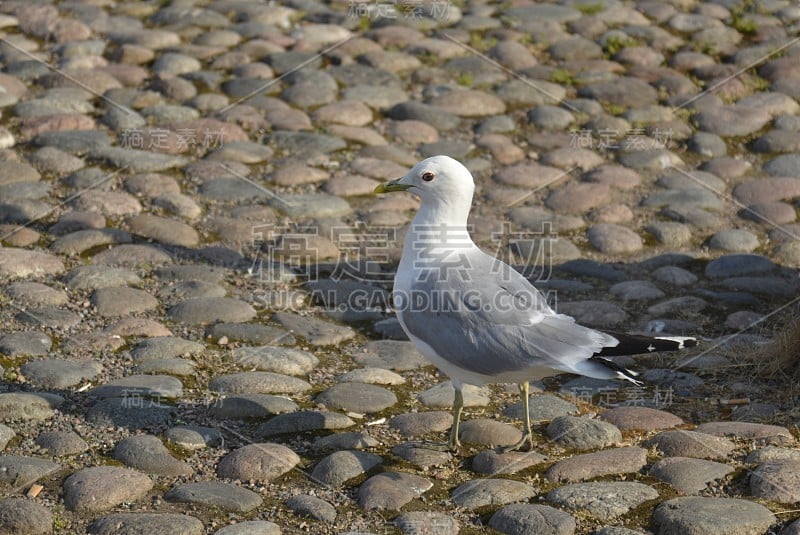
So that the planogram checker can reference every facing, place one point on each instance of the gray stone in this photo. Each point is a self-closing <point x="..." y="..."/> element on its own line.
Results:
<point x="260" y="462"/>
<point x="163" y="230"/>
<point x="636" y="290"/>
<point x="6" y="434"/>
<point x="246" y="406"/>
<point x="25" y="517"/>
<point x="59" y="443"/>
<point x="148" y="454"/>
<point x="785" y="165"/>
<point x="482" y="492"/>
<point x="132" y="256"/>
<point x="641" y="418"/>
<point x="420" y="423"/>
<point x="315" y="331"/>
<point x="543" y="407"/>
<point x="674" y="275"/>
<point x="232" y="189"/>
<point x="734" y="265"/>
<point x="83" y="240"/>
<point x="489" y="433"/>
<point x="122" y="301"/>
<point x="340" y="466"/>
<point x="378" y="376"/>
<point x="425" y="522"/>
<point x="305" y="143"/>
<point x="275" y="359"/>
<point x="551" y="117"/>
<point x="251" y="527"/>
<point x="525" y="93"/>
<point x="18" y="472"/>
<point x="624" y="91"/>
<point x="732" y="121"/>
<point x="391" y="490"/>
<point x="604" y="500"/>
<point x="258" y="383"/>
<point x="420" y="456"/>
<point x="174" y="366"/>
<point x="685" y="198"/>
<point x="390" y="354"/>
<point x="771" y="454"/>
<point x="526" y="518"/>
<point x="251" y="333"/>
<point x="548" y="12"/>
<point x="670" y="233"/>
<point x="440" y="119"/>
<point x="441" y="396"/>
<point x="734" y="240"/>
<point x="215" y="494"/>
<point x="305" y="505"/>
<point x="131" y="412"/>
<point x="151" y="523"/>
<point x="136" y="160"/>
<point x="194" y="437"/>
<point x="211" y="310"/>
<point x="311" y="205"/>
<point x="25" y="343"/>
<point x="162" y="347"/>
<point x="23" y="263"/>
<point x="35" y="294"/>
<point x="583" y="433"/>
<point x="100" y="488"/>
<point x="120" y="120"/>
<point x="761" y="285"/>
<point x="138" y="386"/>
<point x="775" y="141"/>
<point x="344" y="441"/>
<point x="28" y="405"/>
<point x="683" y="443"/>
<point x="597" y="464"/>
<point x="688" y="475"/>
<point x="708" y="145"/>
<point x="54" y="318"/>
<point x="60" y="374"/>
<point x="701" y="515"/>
<point x="357" y="397"/>
<point x="96" y="277"/>
<point x="771" y="434"/>
<point x="493" y="463"/>
<point x="592" y="268"/>
<point x="681" y="383"/>
<point x="302" y="421"/>
<point x="776" y="481"/>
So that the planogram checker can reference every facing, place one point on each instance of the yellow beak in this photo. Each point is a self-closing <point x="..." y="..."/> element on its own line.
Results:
<point x="392" y="185"/>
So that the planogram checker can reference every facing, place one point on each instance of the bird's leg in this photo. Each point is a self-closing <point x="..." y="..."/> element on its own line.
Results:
<point x="453" y="443"/>
<point x="458" y="406"/>
<point x="527" y="436"/>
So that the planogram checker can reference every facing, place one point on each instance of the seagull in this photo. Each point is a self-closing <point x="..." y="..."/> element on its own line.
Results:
<point x="477" y="319"/>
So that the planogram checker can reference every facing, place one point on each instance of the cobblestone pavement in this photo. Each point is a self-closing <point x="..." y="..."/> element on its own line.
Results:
<point x="196" y="335"/>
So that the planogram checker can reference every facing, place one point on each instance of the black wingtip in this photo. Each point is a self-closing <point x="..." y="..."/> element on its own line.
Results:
<point x="632" y="344"/>
<point x="622" y="372"/>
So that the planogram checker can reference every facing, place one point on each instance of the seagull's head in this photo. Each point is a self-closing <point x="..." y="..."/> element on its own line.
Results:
<point x="439" y="179"/>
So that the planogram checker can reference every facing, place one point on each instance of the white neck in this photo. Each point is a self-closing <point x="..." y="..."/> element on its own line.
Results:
<point x="436" y="227"/>
<point x="454" y="213"/>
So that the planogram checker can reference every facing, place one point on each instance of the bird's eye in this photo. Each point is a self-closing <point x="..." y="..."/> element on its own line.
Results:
<point x="427" y="177"/>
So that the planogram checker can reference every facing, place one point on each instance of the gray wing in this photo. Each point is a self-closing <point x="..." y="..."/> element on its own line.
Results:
<point x="490" y="320"/>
